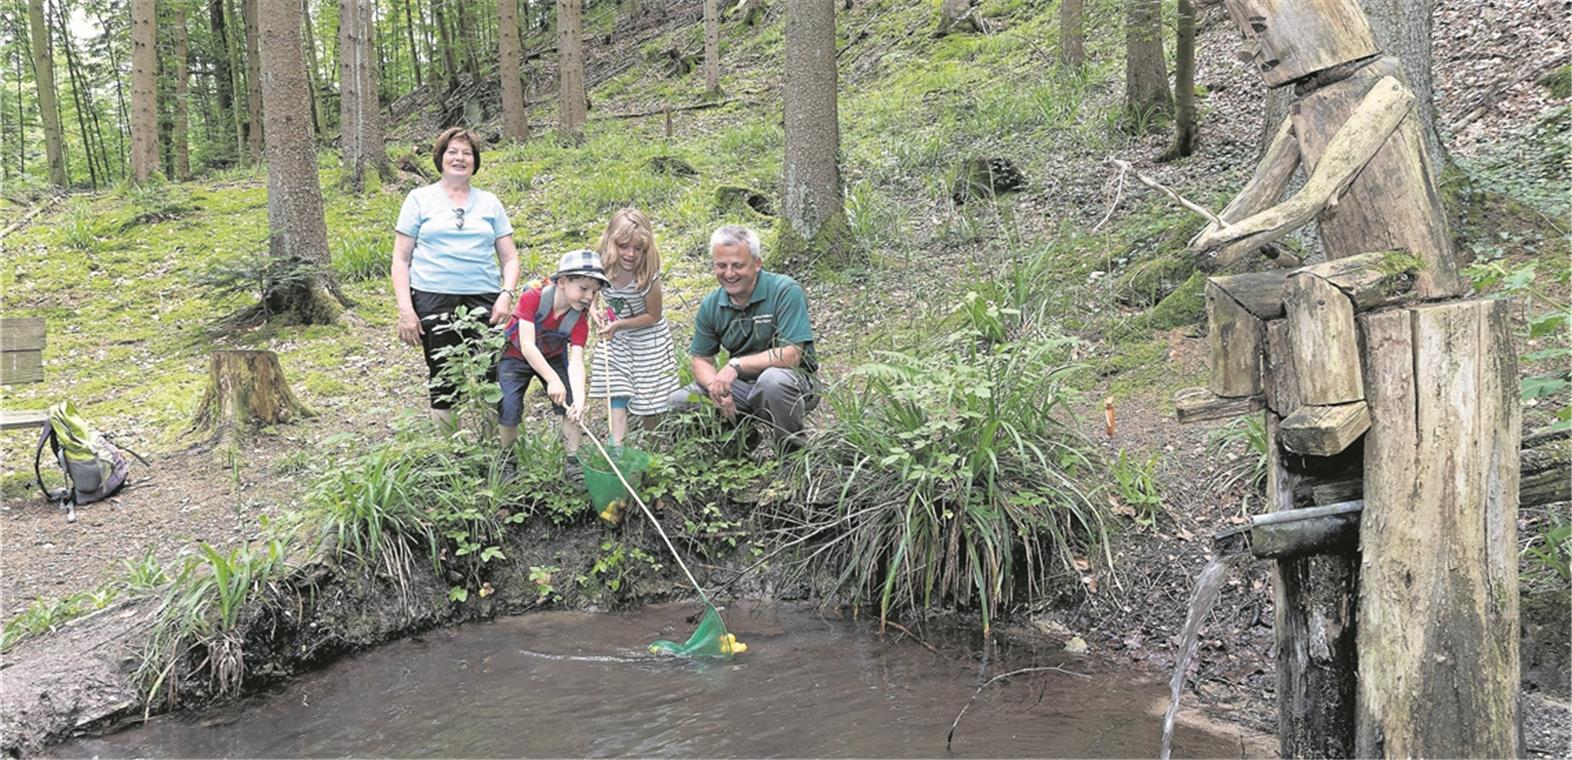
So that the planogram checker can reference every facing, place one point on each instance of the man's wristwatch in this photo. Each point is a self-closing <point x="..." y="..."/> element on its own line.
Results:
<point x="735" y="363"/>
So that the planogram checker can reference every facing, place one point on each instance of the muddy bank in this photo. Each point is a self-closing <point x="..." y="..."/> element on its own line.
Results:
<point x="82" y="678"/>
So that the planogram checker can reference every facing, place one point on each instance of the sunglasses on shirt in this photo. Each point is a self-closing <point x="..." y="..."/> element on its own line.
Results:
<point x="458" y="213"/>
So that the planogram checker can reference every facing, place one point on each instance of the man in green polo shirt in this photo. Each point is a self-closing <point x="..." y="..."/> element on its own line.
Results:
<point x="760" y="319"/>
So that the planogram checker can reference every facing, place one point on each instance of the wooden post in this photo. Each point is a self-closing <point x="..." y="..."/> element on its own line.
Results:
<point x="1314" y="625"/>
<point x="1438" y="605"/>
<point x="245" y="387"/>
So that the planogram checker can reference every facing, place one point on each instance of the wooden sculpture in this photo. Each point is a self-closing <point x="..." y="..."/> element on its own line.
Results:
<point x="1368" y="365"/>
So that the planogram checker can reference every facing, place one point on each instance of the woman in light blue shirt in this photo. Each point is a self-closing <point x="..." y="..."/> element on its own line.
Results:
<point x="452" y="249"/>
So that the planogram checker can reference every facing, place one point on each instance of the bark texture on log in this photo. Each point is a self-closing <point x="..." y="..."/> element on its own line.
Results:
<point x="1200" y="404"/>
<point x="44" y="76"/>
<point x="571" y="106"/>
<point x="1292" y="39"/>
<point x="1439" y="605"/>
<point x="246" y="387"/>
<point x="1236" y="339"/>
<point x="515" y="120"/>
<point x="1370" y="280"/>
<point x="1282" y="390"/>
<point x="1326" y="349"/>
<point x="1325" y="431"/>
<point x="1312" y="609"/>
<point x="711" y="48"/>
<point x="1393" y="203"/>
<point x="144" y="89"/>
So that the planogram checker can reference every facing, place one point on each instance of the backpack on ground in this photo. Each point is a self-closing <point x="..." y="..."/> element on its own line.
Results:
<point x="94" y="467"/>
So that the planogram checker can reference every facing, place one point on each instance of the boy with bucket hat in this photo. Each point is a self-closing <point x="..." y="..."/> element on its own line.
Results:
<point x="545" y="339"/>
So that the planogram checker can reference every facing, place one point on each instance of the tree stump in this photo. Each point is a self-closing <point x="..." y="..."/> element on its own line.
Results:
<point x="246" y="387"/>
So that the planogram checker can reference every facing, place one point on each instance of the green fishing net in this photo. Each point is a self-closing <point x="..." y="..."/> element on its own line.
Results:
<point x="710" y="639"/>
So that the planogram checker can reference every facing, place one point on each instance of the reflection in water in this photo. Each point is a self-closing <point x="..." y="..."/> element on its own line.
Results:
<point x="565" y="684"/>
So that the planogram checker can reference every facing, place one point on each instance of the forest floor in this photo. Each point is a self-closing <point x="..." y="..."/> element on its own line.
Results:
<point x="362" y="382"/>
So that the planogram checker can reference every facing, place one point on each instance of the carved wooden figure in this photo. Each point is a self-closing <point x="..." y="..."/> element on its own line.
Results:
<point x="1361" y="371"/>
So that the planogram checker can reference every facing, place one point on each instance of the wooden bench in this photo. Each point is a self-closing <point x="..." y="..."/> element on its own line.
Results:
<point x="21" y="361"/>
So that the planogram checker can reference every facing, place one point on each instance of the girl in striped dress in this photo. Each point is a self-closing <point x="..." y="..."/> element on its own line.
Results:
<point x="637" y="364"/>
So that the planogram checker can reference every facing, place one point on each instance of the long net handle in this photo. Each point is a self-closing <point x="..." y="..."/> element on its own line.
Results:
<point x="647" y="513"/>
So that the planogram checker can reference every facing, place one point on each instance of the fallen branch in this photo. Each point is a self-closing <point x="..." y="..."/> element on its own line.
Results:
<point x="950" y="737"/>
<point x="18" y="224"/>
<point x="671" y="109"/>
<point x="1125" y="166"/>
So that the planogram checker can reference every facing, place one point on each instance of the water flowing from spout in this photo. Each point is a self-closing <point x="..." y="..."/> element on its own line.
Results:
<point x="1207" y="588"/>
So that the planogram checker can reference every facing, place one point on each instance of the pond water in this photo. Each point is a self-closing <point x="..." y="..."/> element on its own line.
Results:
<point x="567" y="684"/>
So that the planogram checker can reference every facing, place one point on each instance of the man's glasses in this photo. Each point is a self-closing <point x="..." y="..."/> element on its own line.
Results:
<point x="458" y="213"/>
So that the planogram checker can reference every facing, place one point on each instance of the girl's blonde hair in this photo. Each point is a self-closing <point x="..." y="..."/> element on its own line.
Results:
<point x="630" y="226"/>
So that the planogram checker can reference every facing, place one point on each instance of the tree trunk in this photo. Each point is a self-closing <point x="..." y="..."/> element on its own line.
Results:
<point x="1312" y="599"/>
<point x="414" y="52"/>
<point x="515" y="123"/>
<point x="313" y="72"/>
<point x="256" y="127"/>
<point x="466" y="34"/>
<point x="711" y="49"/>
<point x="1402" y="28"/>
<point x="1072" y="33"/>
<point x="445" y="40"/>
<point x="222" y="84"/>
<point x="570" y="49"/>
<point x="245" y="388"/>
<point x="120" y="95"/>
<point x="48" y="109"/>
<point x="1146" y="96"/>
<point x="297" y="231"/>
<point x="237" y="63"/>
<point x="1184" y="84"/>
<point x="81" y="97"/>
<point x="360" y="112"/>
<point x="815" y="219"/>
<point x="180" y="137"/>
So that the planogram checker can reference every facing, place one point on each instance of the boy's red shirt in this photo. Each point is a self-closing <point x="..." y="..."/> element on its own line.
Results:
<point x="529" y="302"/>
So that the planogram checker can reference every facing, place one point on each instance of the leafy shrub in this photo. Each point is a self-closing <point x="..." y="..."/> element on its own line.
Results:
<point x="952" y="478"/>
<point x="362" y="256"/>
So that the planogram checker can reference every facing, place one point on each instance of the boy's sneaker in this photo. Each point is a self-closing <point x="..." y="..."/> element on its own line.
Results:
<point x="572" y="471"/>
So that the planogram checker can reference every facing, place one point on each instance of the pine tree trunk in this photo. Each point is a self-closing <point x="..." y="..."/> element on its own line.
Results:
<point x="812" y="206"/>
<point x="81" y="97"/>
<point x="313" y="71"/>
<point x="1146" y="96"/>
<point x="48" y="109"/>
<point x="237" y="64"/>
<point x="221" y="81"/>
<point x="1072" y="33"/>
<point x="180" y="136"/>
<point x="246" y="388"/>
<point x="570" y="47"/>
<point x="256" y="127"/>
<point x="1402" y="28"/>
<point x="414" y="53"/>
<point x="359" y="110"/>
<point x="445" y="37"/>
<point x="466" y="33"/>
<point x="711" y="49"/>
<point x="297" y="231"/>
<point x="515" y="123"/>
<point x="1184" y="84"/>
<point x="120" y="95"/>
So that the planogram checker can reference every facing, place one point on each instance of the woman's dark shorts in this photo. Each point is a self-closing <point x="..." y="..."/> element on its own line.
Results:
<point x="515" y="376"/>
<point x="435" y="310"/>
